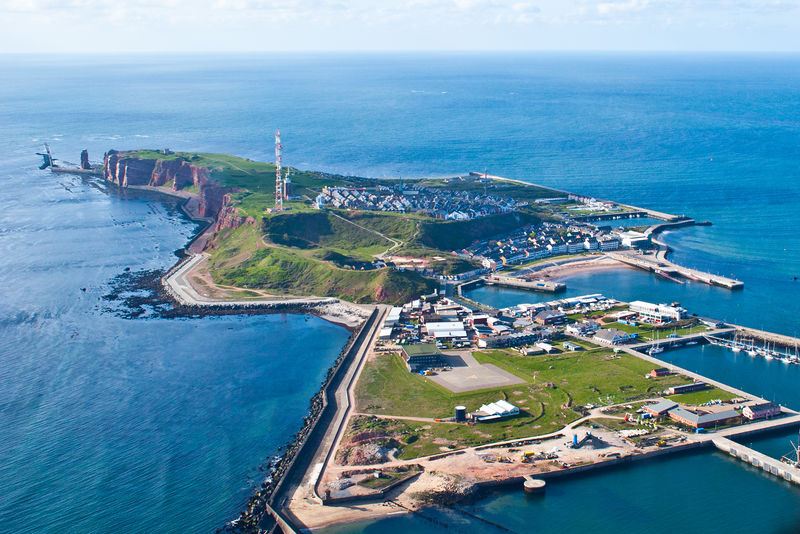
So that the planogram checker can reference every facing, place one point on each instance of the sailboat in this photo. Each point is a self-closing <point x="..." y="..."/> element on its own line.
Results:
<point x="795" y="462"/>
<point x="656" y="349"/>
<point x="766" y="352"/>
<point x="752" y="350"/>
<point x="736" y="347"/>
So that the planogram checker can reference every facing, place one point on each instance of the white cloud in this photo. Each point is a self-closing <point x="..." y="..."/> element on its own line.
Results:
<point x="45" y="25"/>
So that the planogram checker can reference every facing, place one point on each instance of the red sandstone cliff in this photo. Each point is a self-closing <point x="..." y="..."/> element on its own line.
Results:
<point x="213" y="199"/>
<point x="228" y="217"/>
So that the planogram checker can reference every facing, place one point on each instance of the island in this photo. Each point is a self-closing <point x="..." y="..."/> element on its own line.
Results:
<point x="436" y="396"/>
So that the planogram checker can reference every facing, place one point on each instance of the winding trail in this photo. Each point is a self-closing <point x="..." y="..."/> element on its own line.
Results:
<point x="396" y="243"/>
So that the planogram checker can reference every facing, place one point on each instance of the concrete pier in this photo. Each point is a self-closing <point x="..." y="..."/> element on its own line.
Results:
<point x="520" y="283"/>
<point x="661" y="265"/>
<point x="757" y="459"/>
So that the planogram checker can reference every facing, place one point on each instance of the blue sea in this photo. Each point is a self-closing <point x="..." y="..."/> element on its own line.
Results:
<point x="111" y="424"/>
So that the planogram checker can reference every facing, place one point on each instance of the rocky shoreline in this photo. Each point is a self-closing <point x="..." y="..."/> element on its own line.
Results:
<point x="144" y="294"/>
<point x="256" y="517"/>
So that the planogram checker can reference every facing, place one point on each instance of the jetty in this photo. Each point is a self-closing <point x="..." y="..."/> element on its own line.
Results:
<point x="545" y="286"/>
<point x="757" y="459"/>
<point x="666" y="268"/>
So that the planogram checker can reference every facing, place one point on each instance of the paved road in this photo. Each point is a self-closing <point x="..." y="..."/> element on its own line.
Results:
<point x="179" y="286"/>
<point x="345" y="404"/>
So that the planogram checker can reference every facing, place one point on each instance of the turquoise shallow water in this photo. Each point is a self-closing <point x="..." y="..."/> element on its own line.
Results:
<point x="155" y="425"/>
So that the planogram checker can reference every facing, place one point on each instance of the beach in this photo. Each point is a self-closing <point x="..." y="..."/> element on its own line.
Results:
<point x="565" y="269"/>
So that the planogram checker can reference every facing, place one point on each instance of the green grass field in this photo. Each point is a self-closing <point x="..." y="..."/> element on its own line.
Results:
<point x="703" y="396"/>
<point x="313" y="252"/>
<point x="562" y="384"/>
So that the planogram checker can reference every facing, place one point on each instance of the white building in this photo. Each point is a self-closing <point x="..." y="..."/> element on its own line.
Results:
<point x="494" y="411"/>
<point x="394" y="316"/>
<point x="610" y="243"/>
<point x="611" y="336"/>
<point x="657" y="313"/>
<point x="632" y="239"/>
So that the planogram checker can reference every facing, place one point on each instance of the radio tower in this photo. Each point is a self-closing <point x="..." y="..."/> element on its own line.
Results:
<point x="278" y="180"/>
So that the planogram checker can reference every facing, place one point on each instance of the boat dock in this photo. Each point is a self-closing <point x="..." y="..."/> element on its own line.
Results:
<point x="670" y="270"/>
<point x="668" y="342"/>
<point x="545" y="286"/>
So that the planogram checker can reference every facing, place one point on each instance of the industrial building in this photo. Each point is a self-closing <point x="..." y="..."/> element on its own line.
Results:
<point x="422" y="356"/>
<point x="687" y="388"/>
<point x="703" y="420"/>
<point x="657" y="313"/>
<point x="393" y="317"/>
<point x="446" y="330"/>
<point x="510" y="340"/>
<point x="660" y="408"/>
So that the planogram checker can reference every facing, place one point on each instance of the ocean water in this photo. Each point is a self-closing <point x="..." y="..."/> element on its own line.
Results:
<point x="155" y="425"/>
<point x="113" y="425"/>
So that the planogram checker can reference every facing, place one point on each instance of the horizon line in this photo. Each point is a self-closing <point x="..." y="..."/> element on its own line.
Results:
<point x="404" y="51"/>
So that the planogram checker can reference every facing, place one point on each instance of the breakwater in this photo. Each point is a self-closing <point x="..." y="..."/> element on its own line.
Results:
<point x="257" y="515"/>
<point x="544" y="286"/>
<point x="659" y="265"/>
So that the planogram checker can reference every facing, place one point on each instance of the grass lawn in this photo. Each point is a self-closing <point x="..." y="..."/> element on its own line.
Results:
<point x="700" y="397"/>
<point x="240" y="259"/>
<point x="388" y="477"/>
<point x="546" y="403"/>
<point x="592" y="376"/>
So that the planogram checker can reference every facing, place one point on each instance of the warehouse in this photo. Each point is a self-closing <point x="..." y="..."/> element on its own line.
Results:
<point x="509" y="340"/>
<point x="706" y="420"/>
<point x="687" y="388"/>
<point x="422" y="356"/>
<point x="660" y="408"/>
<point x="548" y="317"/>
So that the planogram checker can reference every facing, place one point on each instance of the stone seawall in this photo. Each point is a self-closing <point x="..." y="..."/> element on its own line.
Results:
<point x="257" y="515"/>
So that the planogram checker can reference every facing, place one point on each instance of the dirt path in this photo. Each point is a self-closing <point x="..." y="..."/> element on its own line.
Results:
<point x="396" y="243"/>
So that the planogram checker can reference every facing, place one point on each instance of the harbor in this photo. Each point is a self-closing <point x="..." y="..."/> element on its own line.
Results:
<point x="607" y="435"/>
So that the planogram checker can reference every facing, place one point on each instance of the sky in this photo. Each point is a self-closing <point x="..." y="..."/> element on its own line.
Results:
<point x="123" y="26"/>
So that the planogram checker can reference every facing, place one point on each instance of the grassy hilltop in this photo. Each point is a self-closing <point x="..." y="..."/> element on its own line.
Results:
<point x="307" y="251"/>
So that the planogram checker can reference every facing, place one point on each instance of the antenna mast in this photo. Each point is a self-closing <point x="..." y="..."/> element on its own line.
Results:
<point x="278" y="180"/>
